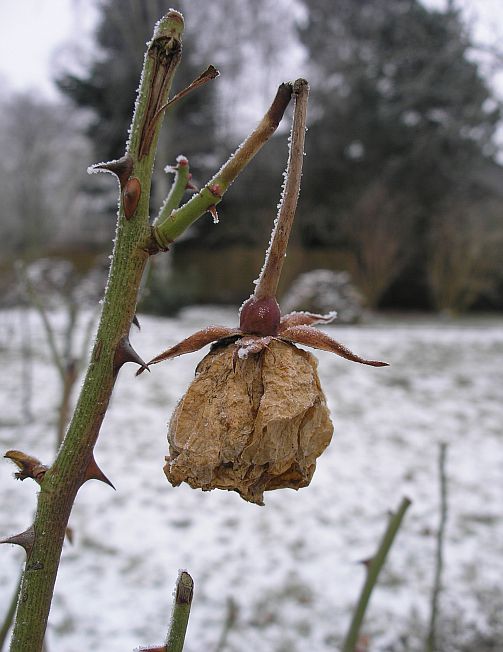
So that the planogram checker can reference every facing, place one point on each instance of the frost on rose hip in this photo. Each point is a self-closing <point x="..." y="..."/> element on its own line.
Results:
<point x="250" y="427"/>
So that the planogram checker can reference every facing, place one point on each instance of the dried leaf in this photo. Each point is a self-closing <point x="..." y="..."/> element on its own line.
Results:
<point x="259" y="428"/>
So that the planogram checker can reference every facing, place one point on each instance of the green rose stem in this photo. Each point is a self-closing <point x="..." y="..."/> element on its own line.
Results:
<point x="179" y="616"/>
<point x="134" y="242"/>
<point x="374" y="568"/>
<point x="168" y="227"/>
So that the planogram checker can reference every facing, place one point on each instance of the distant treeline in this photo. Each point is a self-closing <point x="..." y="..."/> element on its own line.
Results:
<point x="401" y="185"/>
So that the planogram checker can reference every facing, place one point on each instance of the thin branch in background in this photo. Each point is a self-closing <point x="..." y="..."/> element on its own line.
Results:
<point x="229" y="622"/>
<point x="26" y="367"/>
<point x="431" y="641"/>
<point x="49" y="331"/>
<point x="9" y="616"/>
<point x="373" y="570"/>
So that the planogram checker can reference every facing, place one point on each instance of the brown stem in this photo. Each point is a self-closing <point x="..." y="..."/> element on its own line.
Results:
<point x="269" y="277"/>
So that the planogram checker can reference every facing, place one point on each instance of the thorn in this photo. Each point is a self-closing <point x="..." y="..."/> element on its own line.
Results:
<point x="366" y="562"/>
<point x="213" y="210"/>
<point x="126" y="353"/>
<point x="24" y="539"/>
<point x="191" y="185"/>
<point x="136" y="322"/>
<point x="93" y="472"/>
<point x="156" y="648"/>
<point x="121" y="167"/>
<point x="29" y="466"/>
<point x="69" y="535"/>
<point x="131" y="196"/>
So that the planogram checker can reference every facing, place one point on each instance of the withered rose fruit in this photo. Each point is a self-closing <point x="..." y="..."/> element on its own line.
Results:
<point x="250" y="425"/>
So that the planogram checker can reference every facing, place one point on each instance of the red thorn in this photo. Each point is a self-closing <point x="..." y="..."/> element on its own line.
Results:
<point x="121" y="167"/>
<point x="213" y="210"/>
<point x="24" y="539"/>
<point x="366" y="562"/>
<point x="191" y="186"/>
<point x="131" y="196"/>
<point x="157" y="648"/>
<point x="126" y="353"/>
<point x="93" y="472"/>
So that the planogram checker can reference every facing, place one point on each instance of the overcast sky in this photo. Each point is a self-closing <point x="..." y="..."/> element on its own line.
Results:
<point x="34" y="35"/>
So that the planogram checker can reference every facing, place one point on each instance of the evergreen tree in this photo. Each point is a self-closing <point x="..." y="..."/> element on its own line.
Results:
<point x="108" y="89"/>
<point x="397" y="104"/>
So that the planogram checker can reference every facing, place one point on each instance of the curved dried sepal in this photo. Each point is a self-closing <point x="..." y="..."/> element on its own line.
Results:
<point x="122" y="168"/>
<point x="131" y="196"/>
<point x="194" y="343"/>
<point x="93" y="472"/>
<point x="24" y="539"/>
<point x="29" y="467"/>
<point x="310" y="336"/>
<point x="302" y="318"/>
<point x="126" y="353"/>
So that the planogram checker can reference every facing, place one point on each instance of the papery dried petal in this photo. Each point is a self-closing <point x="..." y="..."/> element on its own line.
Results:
<point x="318" y="340"/>
<point x="259" y="428"/>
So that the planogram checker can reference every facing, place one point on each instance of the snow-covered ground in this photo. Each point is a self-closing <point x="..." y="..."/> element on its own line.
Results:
<point x="291" y="566"/>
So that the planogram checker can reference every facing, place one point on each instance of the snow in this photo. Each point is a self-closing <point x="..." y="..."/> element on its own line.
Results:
<point x="291" y="566"/>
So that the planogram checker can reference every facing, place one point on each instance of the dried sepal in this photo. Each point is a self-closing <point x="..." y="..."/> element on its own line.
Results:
<point x="29" y="466"/>
<point x="194" y="342"/>
<point x="302" y="318"/>
<point x="264" y="427"/>
<point x="318" y="340"/>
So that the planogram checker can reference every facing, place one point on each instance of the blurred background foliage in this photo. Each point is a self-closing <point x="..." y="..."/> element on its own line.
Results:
<point x="402" y="188"/>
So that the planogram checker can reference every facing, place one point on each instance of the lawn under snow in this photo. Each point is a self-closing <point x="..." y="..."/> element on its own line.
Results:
<point x="291" y="566"/>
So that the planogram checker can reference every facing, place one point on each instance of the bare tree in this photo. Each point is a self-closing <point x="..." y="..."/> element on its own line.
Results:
<point x="465" y="261"/>
<point x="378" y="231"/>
